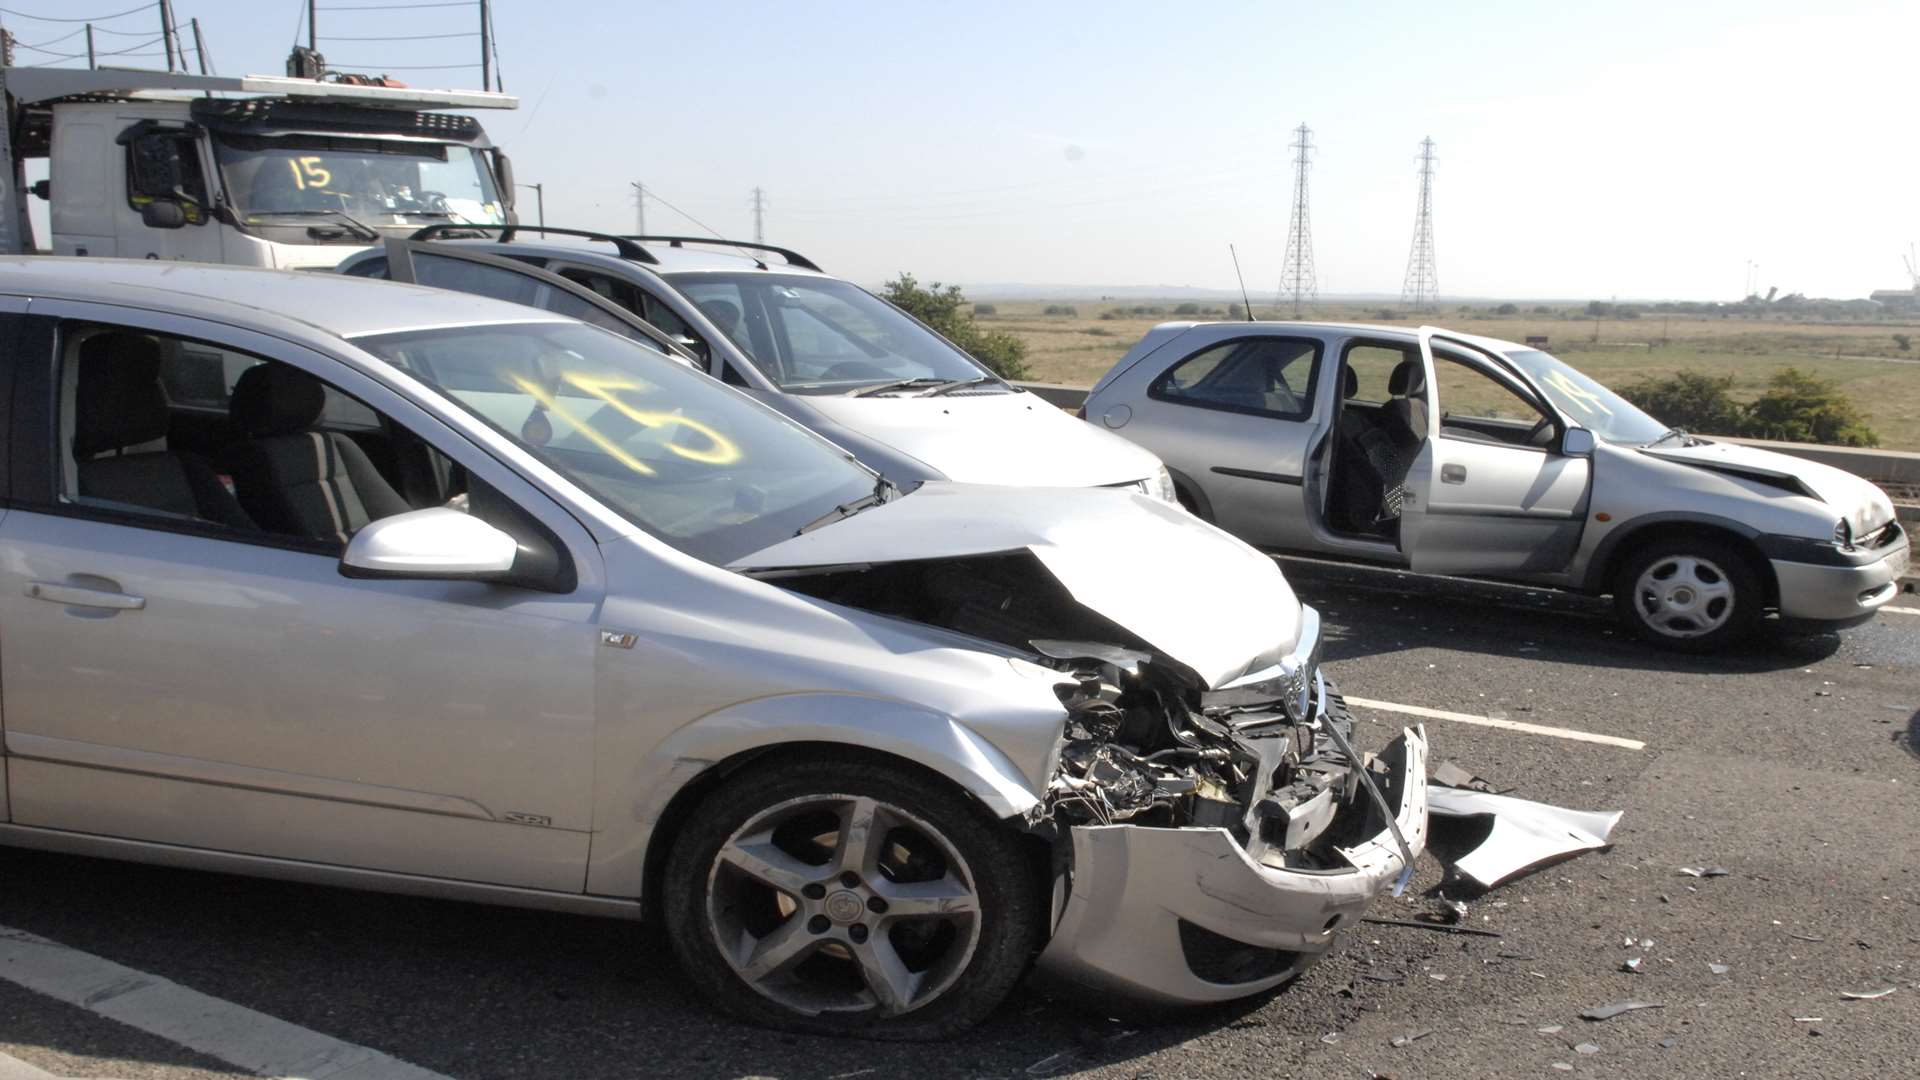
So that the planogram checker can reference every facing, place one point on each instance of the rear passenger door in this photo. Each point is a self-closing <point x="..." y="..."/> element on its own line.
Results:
<point x="1235" y="412"/>
<point x="176" y="674"/>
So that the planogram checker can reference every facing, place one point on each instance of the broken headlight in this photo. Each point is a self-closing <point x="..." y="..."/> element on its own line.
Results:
<point x="1160" y="486"/>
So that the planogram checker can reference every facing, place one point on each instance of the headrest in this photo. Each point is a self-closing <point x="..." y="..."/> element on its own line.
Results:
<point x="1349" y="382"/>
<point x="1408" y="379"/>
<point x="117" y="399"/>
<point x="276" y="399"/>
<point x="724" y="313"/>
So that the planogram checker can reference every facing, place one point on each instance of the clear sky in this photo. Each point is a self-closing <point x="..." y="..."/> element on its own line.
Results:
<point x="1645" y="150"/>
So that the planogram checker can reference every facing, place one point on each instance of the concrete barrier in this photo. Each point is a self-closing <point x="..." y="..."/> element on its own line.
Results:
<point x="1879" y="466"/>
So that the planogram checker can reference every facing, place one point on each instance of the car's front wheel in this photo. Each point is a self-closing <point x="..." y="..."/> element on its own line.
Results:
<point x="840" y="898"/>
<point x="1694" y="595"/>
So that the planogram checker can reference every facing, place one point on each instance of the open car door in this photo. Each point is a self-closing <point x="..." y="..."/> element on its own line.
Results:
<point x="446" y="266"/>
<point x="1494" y="488"/>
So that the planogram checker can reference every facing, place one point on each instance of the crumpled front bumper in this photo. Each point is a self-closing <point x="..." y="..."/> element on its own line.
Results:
<point x="1184" y="916"/>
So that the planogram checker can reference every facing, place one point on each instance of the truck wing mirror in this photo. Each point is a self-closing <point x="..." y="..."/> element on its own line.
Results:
<point x="162" y="214"/>
<point x="503" y="175"/>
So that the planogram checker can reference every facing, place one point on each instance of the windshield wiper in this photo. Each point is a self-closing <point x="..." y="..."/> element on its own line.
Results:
<point x="358" y="227"/>
<point x="960" y="384"/>
<point x="883" y="490"/>
<point x="1668" y="434"/>
<point x="897" y="384"/>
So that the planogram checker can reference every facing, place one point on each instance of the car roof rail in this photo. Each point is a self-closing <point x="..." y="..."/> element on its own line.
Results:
<point x="450" y="230"/>
<point x="793" y="258"/>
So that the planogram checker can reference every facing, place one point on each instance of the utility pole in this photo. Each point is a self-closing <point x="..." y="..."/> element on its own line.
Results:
<point x="1421" y="292"/>
<point x="486" y="43"/>
<point x="1296" y="276"/>
<point x="639" y="207"/>
<point x="759" y="216"/>
<point x="90" y="61"/>
<point x="313" y="35"/>
<point x="540" y="203"/>
<point x="169" y="43"/>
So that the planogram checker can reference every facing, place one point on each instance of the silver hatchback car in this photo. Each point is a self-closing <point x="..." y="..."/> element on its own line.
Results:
<point x="1454" y="454"/>
<point x="396" y="588"/>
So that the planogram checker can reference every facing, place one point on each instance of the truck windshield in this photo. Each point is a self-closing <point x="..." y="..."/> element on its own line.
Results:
<point x="694" y="462"/>
<point x="380" y="182"/>
<point x="823" y="336"/>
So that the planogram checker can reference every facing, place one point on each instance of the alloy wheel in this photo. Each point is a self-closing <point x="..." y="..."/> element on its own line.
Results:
<point x="1684" y="596"/>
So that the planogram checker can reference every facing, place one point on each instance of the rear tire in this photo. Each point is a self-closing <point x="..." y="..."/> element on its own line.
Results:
<point x="1691" y="595"/>
<point x="856" y="899"/>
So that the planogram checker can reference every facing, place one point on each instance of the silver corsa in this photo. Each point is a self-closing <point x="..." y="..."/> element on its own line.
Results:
<point x="396" y="588"/>
<point x="1453" y="454"/>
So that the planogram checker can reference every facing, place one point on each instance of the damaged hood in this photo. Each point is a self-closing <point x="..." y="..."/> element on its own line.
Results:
<point x="1196" y="595"/>
<point x="1864" y="505"/>
<point x="993" y="439"/>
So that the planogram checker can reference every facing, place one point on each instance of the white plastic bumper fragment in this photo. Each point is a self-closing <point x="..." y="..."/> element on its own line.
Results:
<point x="1120" y="932"/>
<point x="1524" y="835"/>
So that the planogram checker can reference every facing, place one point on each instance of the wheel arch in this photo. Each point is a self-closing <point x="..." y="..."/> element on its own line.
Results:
<point x="1195" y="496"/>
<point x="1628" y="540"/>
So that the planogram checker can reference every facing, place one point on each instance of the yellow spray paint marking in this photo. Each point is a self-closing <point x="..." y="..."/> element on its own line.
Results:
<point x="531" y="388"/>
<point x="1586" y="400"/>
<point x="723" y="452"/>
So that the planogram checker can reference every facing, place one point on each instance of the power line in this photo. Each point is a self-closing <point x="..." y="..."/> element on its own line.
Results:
<point x="397" y="7"/>
<point x="89" y="18"/>
<point x="1297" y="276"/>
<point x="51" y="41"/>
<point x="331" y="64"/>
<point x="402" y="37"/>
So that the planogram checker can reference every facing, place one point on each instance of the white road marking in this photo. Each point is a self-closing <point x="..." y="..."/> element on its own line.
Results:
<point x="236" y="1035"/>
<point x="12" y="1068"/>
<point x="1903" y="610"/>
<point x="1505" y="725"/>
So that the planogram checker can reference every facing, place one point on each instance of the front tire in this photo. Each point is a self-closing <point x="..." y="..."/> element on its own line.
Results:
<point x="850" y="899"/>
<point x="1691" y="595"/>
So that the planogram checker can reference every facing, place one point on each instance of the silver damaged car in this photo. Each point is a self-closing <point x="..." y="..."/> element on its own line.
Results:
<point x="1453" y="454"/>
<point x="371" y="585"/>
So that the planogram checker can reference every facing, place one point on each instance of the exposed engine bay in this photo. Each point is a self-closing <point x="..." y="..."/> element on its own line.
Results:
<point x="1145" y="743"/>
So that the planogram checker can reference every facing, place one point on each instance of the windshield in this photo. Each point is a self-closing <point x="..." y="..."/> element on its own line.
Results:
<point x="673" y="450"/>
<point x="379" y="182"/>
<point x="823" y="336"/>
<point x="1608" y="415"/>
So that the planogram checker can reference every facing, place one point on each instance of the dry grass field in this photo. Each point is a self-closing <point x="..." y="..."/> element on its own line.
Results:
<point x="1862" y="357"/>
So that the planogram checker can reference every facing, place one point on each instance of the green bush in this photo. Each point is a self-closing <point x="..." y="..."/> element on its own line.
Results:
<point x="1061" y="309"/>
<point x="1507" y="309"/>
<point x="1098" y="331"/>
<point x="1799" y="407"/>
<point x="1689" y="400"/>
<point x="1187" y="309"/>
<point x="1903" y="342"/>
<point x="985" y="309"/>
<point x="945" y="309"/>
<point x="1235" y="311"/>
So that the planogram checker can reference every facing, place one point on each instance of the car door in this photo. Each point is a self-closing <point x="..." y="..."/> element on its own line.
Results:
<point x="12" y="319"/>
<point x="1235" y="412"/>
<point x="175" y="680"/>
<point x="1491" y="492"/>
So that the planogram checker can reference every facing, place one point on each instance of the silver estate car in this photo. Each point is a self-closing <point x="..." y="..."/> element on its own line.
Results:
<point x="1454" y="454"/>
<point x="396" y="588"/>
<point x="842" y="362"/>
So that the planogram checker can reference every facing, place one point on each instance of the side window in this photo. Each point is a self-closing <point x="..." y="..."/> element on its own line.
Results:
<point x="637" y="300"/>
<point x="1372" y="367"/>
<point x="1268" y="376"/>
<point x="175" y="433"/>
<point x="164" y="165"/>
<point x="443" y="272"/>
<point x="1476" y="405"/>
<point x="375" y="267"/>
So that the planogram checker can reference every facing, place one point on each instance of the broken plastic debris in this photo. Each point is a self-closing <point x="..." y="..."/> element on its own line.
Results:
<point x="1634" y="965"/>
<point x="1587" y="1048"/>
<point x="1719" y="969"/>
<point x="1330" y="1038"/>
<point x="1403" y="1040"/>
<point x="1868" y="995"/>
<point x="1608" y="1012"/>
<point x="1705" y="871"/>
<point x="1550" y="1029"/>
<point x="1563" y="1066"/>
<point x="1451" y="775"/>
<point x="1524" y="835"/>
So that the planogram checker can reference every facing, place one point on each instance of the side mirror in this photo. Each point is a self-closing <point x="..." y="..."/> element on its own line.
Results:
<point x="1577" y="442"/>
<point x="162" y="214"/>
<point x="435" y="543"/>
<point x="503" y="176"/>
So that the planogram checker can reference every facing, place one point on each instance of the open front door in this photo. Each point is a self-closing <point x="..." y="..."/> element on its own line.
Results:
<point x="1490" y="492"/>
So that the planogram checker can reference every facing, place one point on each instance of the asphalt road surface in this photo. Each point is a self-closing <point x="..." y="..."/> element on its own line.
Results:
<point x="1793" y="766"/>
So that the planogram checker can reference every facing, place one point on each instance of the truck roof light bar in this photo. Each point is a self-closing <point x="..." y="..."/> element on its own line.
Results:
<point x="35" y="85"/>
<point x="793" y="258"/>
<point x="449" y="230"/>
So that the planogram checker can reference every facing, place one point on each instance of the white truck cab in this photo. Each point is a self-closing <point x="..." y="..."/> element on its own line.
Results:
<point x="254" y="170"/>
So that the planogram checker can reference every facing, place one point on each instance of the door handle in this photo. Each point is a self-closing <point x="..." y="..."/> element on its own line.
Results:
<point x="55" y="592"/>
<point x="1453" y="474"/>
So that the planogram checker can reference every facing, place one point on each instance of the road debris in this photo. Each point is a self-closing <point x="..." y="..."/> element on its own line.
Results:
<point x="1587" y="1048"/>
<point x="1404" y="1040"/>
<point x="1868" y="995"/>
<point x="1634" y="966"/>
<point x="1330" y="1038"/>
<point x="1551" y="1029"/>
<point x="1440" y="927"/>
<point x="1608" y="1012"/>
<point x="1451" y="775"/>
<point x="1705" y="871"/>
<point x="1805" y="937"/>
<point x="1719" y="969"/>
<point x="1524" y="834"/>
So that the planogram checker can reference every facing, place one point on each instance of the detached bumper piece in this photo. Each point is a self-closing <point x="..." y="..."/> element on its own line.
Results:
<point x="1523" y="834"/>
<point x="1183" y="916"/>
